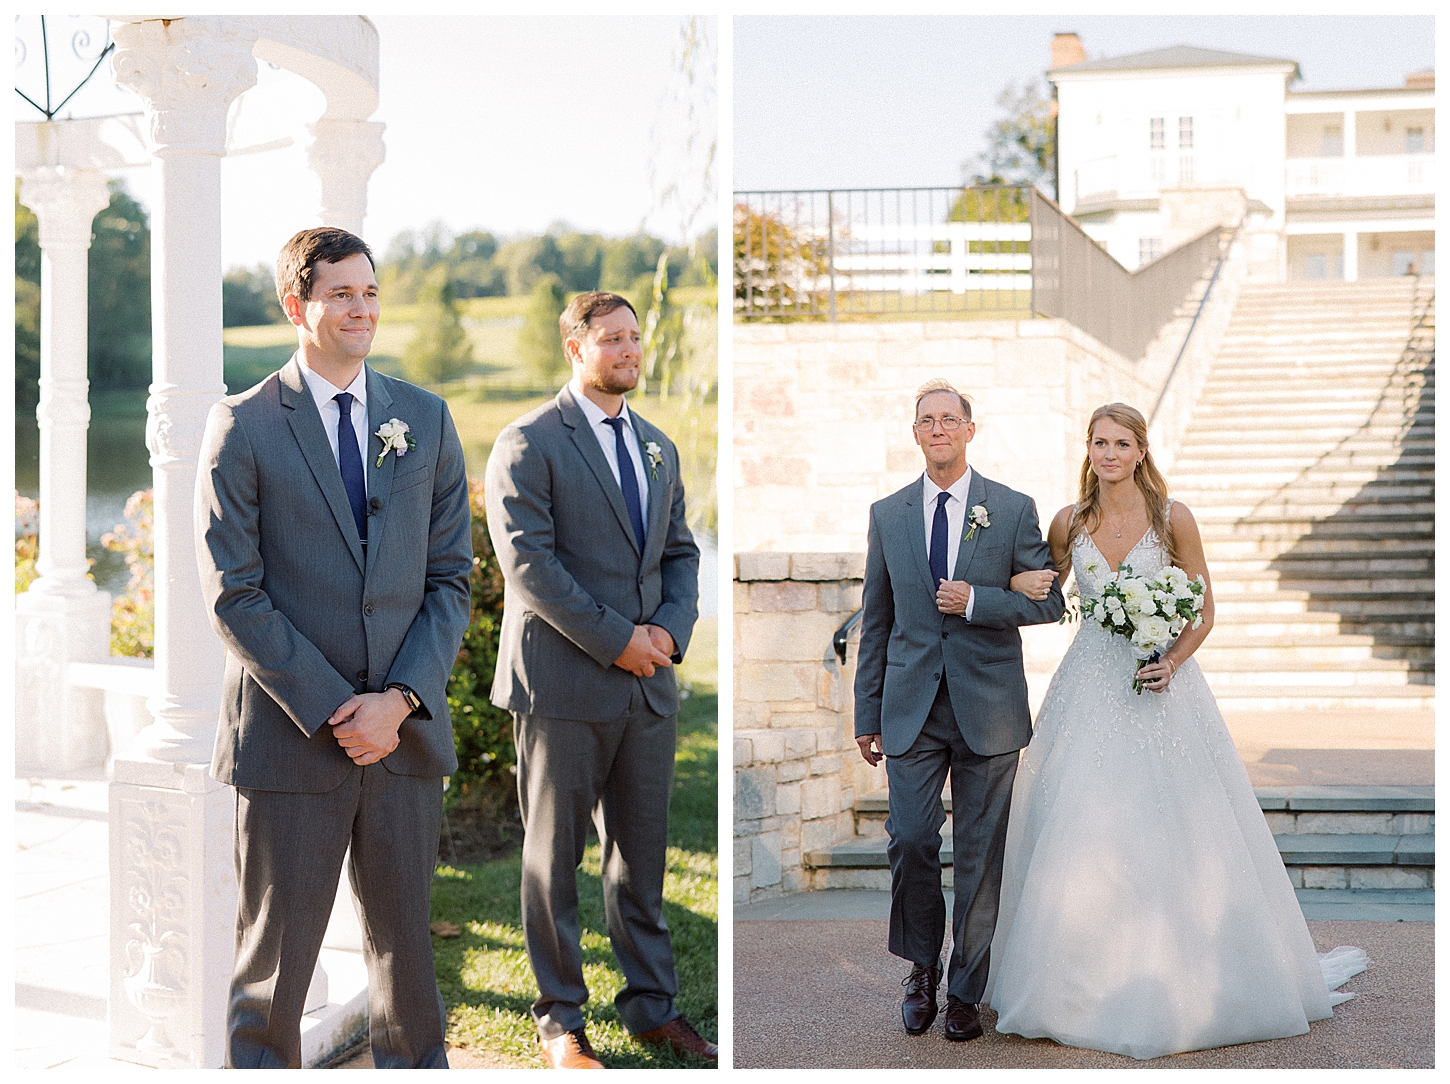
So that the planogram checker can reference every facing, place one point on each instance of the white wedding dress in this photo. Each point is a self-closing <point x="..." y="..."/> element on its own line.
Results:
<point x="1145" y="910"/>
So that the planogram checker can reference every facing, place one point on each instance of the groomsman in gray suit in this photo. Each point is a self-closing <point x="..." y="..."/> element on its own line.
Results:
<point x="940" y="689"/>
<point x="333" y="540"/>
<point x="587" y="515"/>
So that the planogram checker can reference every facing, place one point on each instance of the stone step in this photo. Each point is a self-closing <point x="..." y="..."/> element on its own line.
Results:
<point x="1299" y="566"/>
<point x="1311" y="653"/>
<point x="1311" y="548"/>
<point x="1375" y="857"/>
<point x="1321" y="491"/>
<point x="1286" y="531"/>
<point x="1290" y="509"/>
<point x="1275" y="421"/>
<point x="1374" y="677"/>
<point x="1280" y="583"/>
<point x="1349" y="698"/>
<point x="1408" y="608"/>
<point x="1249" y="626"/>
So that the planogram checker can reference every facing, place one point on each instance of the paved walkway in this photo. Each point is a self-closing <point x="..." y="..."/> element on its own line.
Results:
<point x="825" y="993"/>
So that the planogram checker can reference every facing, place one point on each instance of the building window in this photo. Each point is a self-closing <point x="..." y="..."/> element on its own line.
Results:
<point x="1333" y="145"/>
<point x="1414" y="141"/>
<point x="1155" y="133"/>
<point x="1149" y="249"/>
<point x="1185" y="133"/>
<point x="1316" y="266"/>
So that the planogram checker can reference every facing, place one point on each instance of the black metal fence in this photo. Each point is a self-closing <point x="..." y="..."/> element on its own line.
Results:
<point x="1003" y="249"/>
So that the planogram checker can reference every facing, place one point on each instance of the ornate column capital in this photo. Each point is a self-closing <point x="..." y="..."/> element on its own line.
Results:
<point x="65" y="200"/>
<point x="343" y="154"/>
<point x="188" y="70"/>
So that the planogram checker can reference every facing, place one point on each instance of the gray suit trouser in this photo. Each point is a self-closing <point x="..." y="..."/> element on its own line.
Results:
<point x="290" y="850"/>
<point x="981" y="799"/>
<point x="620" y="773"/>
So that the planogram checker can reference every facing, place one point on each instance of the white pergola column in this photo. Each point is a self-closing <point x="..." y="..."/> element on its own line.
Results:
<point x="62" y="618"/>
<point x="343" y="154"/>
<point x="1351" y="255"/>
<point x="173" y="887"/>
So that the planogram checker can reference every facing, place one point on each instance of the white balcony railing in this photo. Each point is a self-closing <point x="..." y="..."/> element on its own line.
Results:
<point x="1372" y="175"/>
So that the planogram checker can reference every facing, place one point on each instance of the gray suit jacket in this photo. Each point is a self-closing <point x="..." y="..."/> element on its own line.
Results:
<point x="575" y="582"/>
<point x="310" y="615"/>
<point x="907" y="644"/>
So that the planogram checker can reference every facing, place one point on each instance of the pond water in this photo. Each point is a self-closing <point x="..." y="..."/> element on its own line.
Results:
<point x="117" y="465"/>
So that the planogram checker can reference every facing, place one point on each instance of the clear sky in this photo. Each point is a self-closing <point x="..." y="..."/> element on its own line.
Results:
<point x="504" y="122"/>
<point x="902" y="101"/>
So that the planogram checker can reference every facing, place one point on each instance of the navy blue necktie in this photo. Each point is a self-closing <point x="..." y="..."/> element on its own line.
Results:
<point x="628" y="483"/>
<point x="349" y="461"/>
<point x="938" y="550"/>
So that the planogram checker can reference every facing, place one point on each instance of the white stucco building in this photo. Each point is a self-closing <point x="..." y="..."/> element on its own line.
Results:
<point x="1336" y="184"/>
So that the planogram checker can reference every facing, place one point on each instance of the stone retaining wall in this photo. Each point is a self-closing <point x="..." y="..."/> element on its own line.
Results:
<point x="797" y="771"/>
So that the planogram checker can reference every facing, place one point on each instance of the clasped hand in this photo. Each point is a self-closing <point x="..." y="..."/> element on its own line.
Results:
<point x="366" y="724"/>
<point x="649" y="647"/>
<point x="952" y="596"/>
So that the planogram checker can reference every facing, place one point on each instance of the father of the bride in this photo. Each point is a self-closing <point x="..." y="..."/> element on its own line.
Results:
<point x="333" y="541"/>
<point x="940" y="688"/>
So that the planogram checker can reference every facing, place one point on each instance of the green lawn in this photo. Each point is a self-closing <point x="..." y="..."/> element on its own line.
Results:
<point x="484" y="973"/>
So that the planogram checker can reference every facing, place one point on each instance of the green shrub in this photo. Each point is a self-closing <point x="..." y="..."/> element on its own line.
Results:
<point x="482" y="733"/>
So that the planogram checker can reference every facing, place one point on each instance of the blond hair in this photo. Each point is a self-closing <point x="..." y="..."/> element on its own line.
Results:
<point x="1087" y="513"/>
<point x="938" y="384"/>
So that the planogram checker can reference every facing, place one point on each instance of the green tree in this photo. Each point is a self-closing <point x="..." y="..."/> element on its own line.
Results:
<point x="527" y="259"/>
<point x="775" y="263"/>
<point x="440" y="349"/>
<point x="583" y="256"/>
<point x="539" y="345"/>
<point x="120" y="294"/>
<point x="626" y="259"/>
<point x="1020" y="142"/>
<point x="249" y="298"/>
<point x="27" y="305"/>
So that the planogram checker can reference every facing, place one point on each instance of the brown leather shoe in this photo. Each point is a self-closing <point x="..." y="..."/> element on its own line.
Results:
<point x="570" y="1051"/>
<point x="919" y="1007"/>
<point x="963" y="1022"/>
<point x="680" y="1037"/>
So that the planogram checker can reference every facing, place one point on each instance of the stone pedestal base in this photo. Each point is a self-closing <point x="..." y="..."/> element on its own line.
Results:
<point x="173" y="914"/>
<point x="58" y="728"/>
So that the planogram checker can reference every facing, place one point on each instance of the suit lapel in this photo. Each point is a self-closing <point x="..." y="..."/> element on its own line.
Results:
<point x="914" y="537"/>
<point x="306" y="424"/>
<point x="380" y="478"/>
<point x="976" y="494"/>
<point x="588" y="445"/>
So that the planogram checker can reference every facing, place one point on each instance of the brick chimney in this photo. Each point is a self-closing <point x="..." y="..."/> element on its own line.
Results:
<point x="1067" y="50"/>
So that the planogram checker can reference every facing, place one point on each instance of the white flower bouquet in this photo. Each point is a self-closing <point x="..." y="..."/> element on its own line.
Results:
<point x="1149" y="613"/>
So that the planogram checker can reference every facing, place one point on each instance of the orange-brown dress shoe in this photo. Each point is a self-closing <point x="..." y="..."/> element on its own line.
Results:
<point x="680" y="1037"/>
<point x="570" y="1051"/>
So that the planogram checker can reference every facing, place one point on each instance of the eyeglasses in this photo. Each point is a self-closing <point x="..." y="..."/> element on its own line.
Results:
<point x="949" y="422"/>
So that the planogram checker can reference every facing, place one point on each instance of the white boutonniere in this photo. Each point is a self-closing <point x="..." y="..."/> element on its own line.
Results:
<point x="395" y="437"/>
<point x="977" y="517"/>
<point x="655" y="455"/>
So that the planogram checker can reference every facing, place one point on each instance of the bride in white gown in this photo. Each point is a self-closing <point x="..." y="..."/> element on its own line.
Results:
<point x="1144" y="909"/>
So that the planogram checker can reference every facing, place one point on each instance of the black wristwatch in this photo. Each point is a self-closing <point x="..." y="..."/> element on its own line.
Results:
<point x="415" y="705"/>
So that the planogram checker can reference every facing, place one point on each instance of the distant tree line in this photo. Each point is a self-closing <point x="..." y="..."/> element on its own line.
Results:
<point x="432" y="268"/>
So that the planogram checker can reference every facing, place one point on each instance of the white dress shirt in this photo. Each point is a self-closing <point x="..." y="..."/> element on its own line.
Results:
<point x="322" y="394"/>
<point x="604" y="433"/>
<point x="956" y="521"/>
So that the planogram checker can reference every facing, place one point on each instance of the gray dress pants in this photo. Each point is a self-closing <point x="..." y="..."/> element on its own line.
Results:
<point x="620" y="773"/>
<point x="290" y="850"/>
<point x="981" y="799"/>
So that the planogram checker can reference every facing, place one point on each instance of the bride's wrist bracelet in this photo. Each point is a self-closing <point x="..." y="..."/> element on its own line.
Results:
<point x="1172" y="666"/>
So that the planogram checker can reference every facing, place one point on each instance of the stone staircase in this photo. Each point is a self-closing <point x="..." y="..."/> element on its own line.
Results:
<point x="1337" y="842"/>
<point x="1309" y="464"/>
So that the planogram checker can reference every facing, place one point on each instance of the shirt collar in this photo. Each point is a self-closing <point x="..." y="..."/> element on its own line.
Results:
<point x="592" y="410"/>
<point x="323" y="390"/>
<point x="957" y="489"/>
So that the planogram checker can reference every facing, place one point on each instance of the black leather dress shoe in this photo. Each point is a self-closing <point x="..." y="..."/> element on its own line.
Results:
<point x="918" y="1007"/>
<point x="962" y="1021"/>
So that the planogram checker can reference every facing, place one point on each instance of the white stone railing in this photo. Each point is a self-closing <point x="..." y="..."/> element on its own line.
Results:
<point x="1368" y="175"/>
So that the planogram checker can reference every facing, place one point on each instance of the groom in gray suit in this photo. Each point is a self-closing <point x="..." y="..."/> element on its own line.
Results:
<point x="940" y="689"/>
<point x="334" y="559"/>
<point x="587" y="515"/>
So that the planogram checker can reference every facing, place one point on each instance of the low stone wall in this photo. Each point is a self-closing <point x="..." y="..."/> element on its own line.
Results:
<point x="796" y="763"/>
